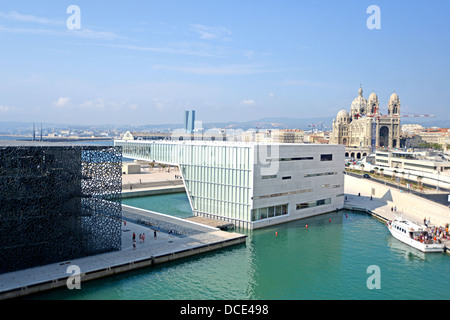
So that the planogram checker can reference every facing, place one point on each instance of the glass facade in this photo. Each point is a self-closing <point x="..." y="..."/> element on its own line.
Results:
<point x="217" y="177"/>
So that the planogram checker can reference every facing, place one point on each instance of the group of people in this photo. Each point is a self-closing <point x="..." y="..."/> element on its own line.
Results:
<point x="433" y="234"/>
<point x="437" y="233"/>
<point x="141" y="238"/>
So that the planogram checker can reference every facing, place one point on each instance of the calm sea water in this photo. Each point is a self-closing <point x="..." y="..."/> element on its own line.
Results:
<point x="327" y="260"/>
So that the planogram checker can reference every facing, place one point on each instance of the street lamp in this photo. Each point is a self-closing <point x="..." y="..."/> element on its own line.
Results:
<point x="437" y="187"/>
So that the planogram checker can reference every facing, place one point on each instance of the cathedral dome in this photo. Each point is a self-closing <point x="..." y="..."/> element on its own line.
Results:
<point x="343" y="114"/>
<point x="394" y="97"/>
<point x="359" y="105"/>
<point x="373" y="104"/>
<point x="360" y="101"/>
<point x="373" y="97"/>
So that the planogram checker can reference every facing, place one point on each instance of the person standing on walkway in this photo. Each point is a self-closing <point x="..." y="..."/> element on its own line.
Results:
<point x="143" y="237"/>
<point x="154" y="234"/>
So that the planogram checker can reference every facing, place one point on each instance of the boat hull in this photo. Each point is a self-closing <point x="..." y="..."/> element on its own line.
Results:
<point x="416" y="244"/>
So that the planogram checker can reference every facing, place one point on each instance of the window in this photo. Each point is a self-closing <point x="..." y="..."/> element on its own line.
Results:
<point x="421" y="166"/>
<point x="282" y="194"/>
<point x="278" y="211"/>
<point x="292" y="159"/>
<point x="319" y="174"/>
<point x="269" y="177"/>
<point x="302" y="205"/>
<point x="326" y="157"/>
<point x="286" y="178"/>
<point x="269" y="212"/>
<point x="381" y="155"/>
<point x="299" y="158"/>
<point x="263" y="213"/>
<point x="311" y="204"/>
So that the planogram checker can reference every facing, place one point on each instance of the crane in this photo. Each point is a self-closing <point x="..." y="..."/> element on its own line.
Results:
<point x="412" y="115"/>
<point x="313" y="125"/>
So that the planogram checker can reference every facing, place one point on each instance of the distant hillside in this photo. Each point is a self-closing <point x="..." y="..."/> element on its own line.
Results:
<point x="274" y="123"/>
<point x="305" y="123"/>
<point x="263" y="123"/>
<point x="428" y="122"/>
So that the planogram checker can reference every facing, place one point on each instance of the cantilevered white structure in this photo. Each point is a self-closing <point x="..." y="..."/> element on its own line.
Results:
<point x="248" y="184"/>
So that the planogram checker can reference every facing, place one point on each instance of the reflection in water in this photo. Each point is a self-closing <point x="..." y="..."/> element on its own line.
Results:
<point x="289" y="258"/>
<point x="403" y="249"/>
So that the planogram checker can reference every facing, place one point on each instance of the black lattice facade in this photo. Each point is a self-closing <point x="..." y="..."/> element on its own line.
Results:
<point x="58" y="203"/>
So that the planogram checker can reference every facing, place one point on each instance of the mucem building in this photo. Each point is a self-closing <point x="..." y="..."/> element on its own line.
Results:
<point x="58" y="202"/>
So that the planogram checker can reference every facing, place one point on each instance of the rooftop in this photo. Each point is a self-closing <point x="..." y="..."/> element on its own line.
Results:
<point x="24" y="143"/>
<point x="221" y="143"/>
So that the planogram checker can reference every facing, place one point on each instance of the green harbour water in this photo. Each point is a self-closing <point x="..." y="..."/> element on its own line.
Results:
<point x="327" y="260"/>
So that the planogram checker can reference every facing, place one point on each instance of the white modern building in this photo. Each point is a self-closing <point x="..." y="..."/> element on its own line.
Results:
<point x="248" y="184"/>
<point x="401" y="160"/>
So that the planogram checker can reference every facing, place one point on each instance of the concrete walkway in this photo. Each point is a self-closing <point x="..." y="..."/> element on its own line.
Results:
<point x="189" y="239"/>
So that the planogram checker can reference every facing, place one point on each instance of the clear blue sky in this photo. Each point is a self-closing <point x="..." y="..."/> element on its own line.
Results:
<point x="144" y="62"/>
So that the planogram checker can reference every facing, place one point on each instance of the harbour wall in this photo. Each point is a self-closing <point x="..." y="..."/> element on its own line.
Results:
<point x="152" y="191"/>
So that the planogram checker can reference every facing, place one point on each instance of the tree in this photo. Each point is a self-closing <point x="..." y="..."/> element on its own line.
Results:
<point x="394" y="174"/>
<point x="382" y="172"/>
<point x="376" y="170"/>
<point x="362" y="167"/>
<point x="419" y="181"/>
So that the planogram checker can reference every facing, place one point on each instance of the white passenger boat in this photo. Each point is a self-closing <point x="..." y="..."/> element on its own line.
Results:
<point x="414" y="235"/>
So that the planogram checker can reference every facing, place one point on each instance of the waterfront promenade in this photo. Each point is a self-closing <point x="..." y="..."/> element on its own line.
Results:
<point x="151" y="182"/>
<point x="151" y="177"/>
<point x="189" y="239"/>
